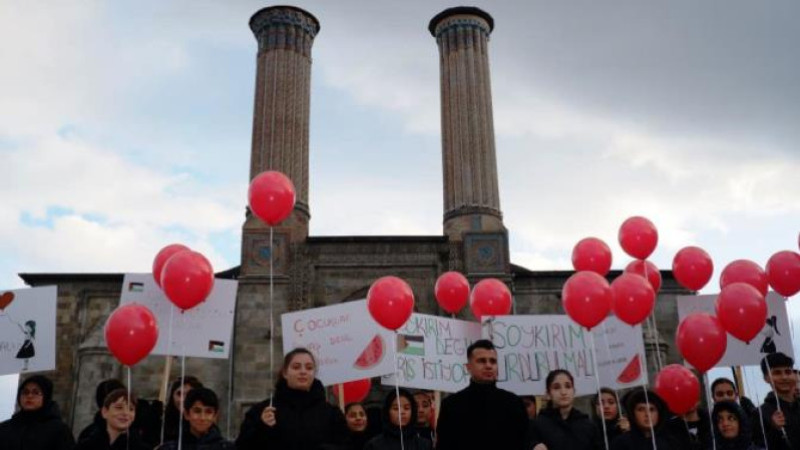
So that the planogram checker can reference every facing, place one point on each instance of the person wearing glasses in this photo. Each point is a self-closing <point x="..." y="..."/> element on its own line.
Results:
<point x="37" y="424"/>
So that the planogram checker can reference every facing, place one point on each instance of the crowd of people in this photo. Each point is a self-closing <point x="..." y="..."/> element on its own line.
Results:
<point x="481" y="416"/>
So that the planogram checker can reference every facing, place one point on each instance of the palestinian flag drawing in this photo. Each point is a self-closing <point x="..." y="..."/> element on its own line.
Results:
<point x="135" y="287"/>
<point x="411" y="345"/>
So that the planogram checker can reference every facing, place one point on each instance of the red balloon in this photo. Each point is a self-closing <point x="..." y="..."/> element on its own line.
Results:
<point x="354" y="391"/>
<point x="587" y="298"/>
<point x="161" y="258"/>
<point x="701" y="340"/>
<point x="490" y="297"/>
<point x="271" y="197"/>
<point x="647" y="270"/>
<point x="634" y="298"/>
<point x="692" y="268"/>
<point x="742" y="311"/>
<point x="591" y="254"/>
<point x="390" y="301"/>
<point x="187" y="279"/>
<point x="452" y="291"/>
<point x="783" y="272"/>
<point x="744" y="271"/>
<point x="678" y="387"/>
<point x="131" y="333"/>
<point x="638" y="237"/>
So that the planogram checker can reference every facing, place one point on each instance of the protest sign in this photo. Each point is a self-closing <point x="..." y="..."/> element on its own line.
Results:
<point x="203" y="332"/>
<point x="28" y="330"/>
<point x="432" y="353"/>
<point x="529" y="347"/>
<point x="774" y="337"/>
<point x="346" y="342"/>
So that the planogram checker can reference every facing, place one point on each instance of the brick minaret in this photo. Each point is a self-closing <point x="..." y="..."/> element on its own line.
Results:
<point x="471" y="195"/>
<point x="285" y="35"/>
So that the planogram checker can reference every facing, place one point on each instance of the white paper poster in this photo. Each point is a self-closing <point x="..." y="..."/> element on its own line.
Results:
<point x="432" y="353"/>
<point x="346" y="342"/>
<point x="529" y="347"/>
<point x="774" y="337"/>
<point x="28" y="330"/>
<point x="202" y="332"/>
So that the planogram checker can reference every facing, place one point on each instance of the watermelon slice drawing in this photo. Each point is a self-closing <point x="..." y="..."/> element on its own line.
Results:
<point x="372" y="355"/>
<point x="631" y="372"/>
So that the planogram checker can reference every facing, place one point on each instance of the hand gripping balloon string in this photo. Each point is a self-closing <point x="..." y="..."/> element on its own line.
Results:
<point x="271" y="322"/>
<point x="166" y="378"/>
<point x="777" y="399"/>
<point x="643" y="368"/>
<point x="397" y="391"/>
<point x="608" y="352"/>
<point x="709" y="402"/>
<point x="597" y="385"/>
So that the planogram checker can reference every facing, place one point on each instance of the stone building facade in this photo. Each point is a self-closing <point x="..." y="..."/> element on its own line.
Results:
<point x="312" y="271"/>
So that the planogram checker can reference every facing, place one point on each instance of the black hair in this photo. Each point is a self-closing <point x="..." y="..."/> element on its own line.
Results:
<point x="104" y="388"/>
<point x="775" y="360"/>
<point x="638" y="397"/>
<point x="352" y="405"/>
<point x="480" y="343"/>
<point x="391" y="398"/>
<point x="117" y="394"/>
<point x="745" y="431"/>
<point x="719" y="381"/>
<point x="172" y="414"/>
<point x="287" y="359"/>
<point x="203" y="395"/>
<point x="552" y="376"/>
<point x="45" y="385"/>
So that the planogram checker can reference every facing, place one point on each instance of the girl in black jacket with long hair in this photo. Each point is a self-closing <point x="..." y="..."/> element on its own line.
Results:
<point x="560" y="426"/>
<point x="608" y="412"/>
<point x="399" y="419"/>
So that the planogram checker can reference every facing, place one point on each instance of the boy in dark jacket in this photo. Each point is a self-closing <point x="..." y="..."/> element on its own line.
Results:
<point x="200" y="431"/>
<point x="780" y="411"/>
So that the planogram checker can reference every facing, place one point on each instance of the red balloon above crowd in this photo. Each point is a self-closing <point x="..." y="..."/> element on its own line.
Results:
<point x="452" y="291"/>
<point x="271" y="197"/>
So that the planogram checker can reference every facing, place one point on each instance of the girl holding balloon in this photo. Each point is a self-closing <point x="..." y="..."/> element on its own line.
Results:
<point x="298" y="416"/>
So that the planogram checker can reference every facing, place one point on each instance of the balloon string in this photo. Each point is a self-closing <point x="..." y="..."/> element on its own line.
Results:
<point x="599" y="394"/>
<point x="271" y="322"/>
<point x="397" y="392"/>
<point x="643" y="367"/>
<point x="608" y="352"/>
<point x="128" y="431"/>
<point x="760" y="413"/>
<point x="230" y="393"/>
<point x="183" y="380"/>
<point x="166" y="378"/>
<point x="709" y="402"/>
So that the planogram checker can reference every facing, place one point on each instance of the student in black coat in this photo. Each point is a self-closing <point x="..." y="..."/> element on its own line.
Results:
<point x="118" y="413"/>
<point x="200" y="431"/>
<point x="780" y="412"/>
<point x="647" y="412"/>
<point x="103" y="388"/>
<point x="425" y="415"/>
<point x="37" y="425"/>
<point x="482" y="416"/>
<point x="732" y="429"/>
<point x="560" y="426"/>
<point x="691" y="431"/>
<point x="358" y="426"/>
<point x="178" y="390"/>
<point x="299" y="417"/>
<point x="608" y="412"/>
<point x="399" y="419"/>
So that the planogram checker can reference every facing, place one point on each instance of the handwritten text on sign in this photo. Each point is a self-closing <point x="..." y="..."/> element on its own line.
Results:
<point x="432" y="353"/>
<point x="529" y="347"/>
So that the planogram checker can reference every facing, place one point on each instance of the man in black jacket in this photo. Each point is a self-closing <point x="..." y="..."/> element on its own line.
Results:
<point x="482" y="415"/>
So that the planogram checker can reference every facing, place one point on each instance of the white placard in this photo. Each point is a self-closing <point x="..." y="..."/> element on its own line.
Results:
<point x="346" y="342"/>
<point x="775" y="336"/>
<point x="529" y="347"/>
<point x="202" y="332"/>
<point x="28" y="330"/>
<point x="432" y="353"/>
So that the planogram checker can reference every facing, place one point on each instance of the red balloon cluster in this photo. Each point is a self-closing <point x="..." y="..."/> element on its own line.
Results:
<point x="185" y="276"/>
<point x="742" y="311"/>
<point x="587" y="298"/>
<point x="678" y="387"/>
<point x="271" y="197"/>
<point x="354" y="391"/>
<point x="648" y="270"/>
<point x="783" y="272"/>
<point x="692" y="268"/>
<point x="634" y="298"/>
<point x="591" y="254"/>
<point x="131" y="333"/>
<point x="744" y="271"/>
<point x="390" y="301"/>
<point x="701" y="340"/>
<point x="638" y="237"/>
<point x="161" y="258"/>
<point x="490" y="297"/>
<point x="452" y="291"/>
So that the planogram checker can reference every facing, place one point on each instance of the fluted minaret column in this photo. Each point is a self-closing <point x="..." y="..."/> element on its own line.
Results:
<point x="285" y="35"/>
<point x="471" y="194"/>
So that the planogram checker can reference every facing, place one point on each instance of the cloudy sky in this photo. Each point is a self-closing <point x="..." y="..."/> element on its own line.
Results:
<point x="126" y="126"/>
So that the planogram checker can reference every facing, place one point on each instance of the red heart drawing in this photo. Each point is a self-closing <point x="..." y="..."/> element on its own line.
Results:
<point x="6" y="300"/>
